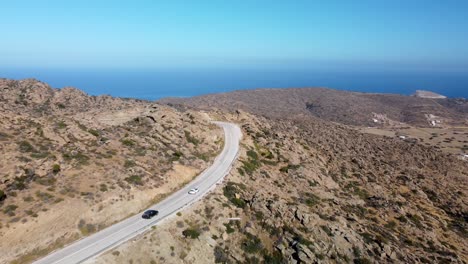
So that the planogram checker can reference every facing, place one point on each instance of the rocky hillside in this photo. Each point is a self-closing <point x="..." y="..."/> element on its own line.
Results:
<point x="304" y="190"/>
<point x="345" y="107"/>
<point x="311" y="191"/>
<point x="78" y="163"/>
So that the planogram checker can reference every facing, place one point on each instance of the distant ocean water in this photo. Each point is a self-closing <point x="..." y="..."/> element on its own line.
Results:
<point x="156" y="84"/>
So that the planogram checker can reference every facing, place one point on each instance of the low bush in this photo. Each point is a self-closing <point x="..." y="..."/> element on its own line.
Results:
<point x="56" y="168"/>
<point x="129" y="163"/>
<point x="61" y="125"/>
<point x="103" y="187"/>
<point x="191" y="233"/>
<point x="289" y="167"/>
<point x="2" y="195"/>
<point x="94" y="132"/>
<point x="134" y="179"/>
<point x="251" y="244"/>
<point x="127" y="142"/>
<point x="191" y="139"/>
<point x="10" y="209"/>
<point x="25" y="146"/>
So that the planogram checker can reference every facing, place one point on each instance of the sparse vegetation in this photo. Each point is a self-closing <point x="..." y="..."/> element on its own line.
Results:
<point x="85" y="228"/>
<point x="251" y="244"/>
<point x="191" y="233"/>
<point x="2" y="195"/>
<point x="94" y="132"/>
<point x="190" y="138"/>
<point x="56" y="168"/>
<point x="230" y="191"/>
<point x="134" y="179"/>
<point x="289" y="167"/>
<point x="129" y="163"/>
<point x="25" y="146"/>
<point x="61" y="125"/>
<point x="128" y="142"/>
<point x="10" y="209"/>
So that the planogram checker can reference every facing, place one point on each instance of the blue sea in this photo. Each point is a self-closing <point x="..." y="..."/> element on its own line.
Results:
<point x="156" y="84"/>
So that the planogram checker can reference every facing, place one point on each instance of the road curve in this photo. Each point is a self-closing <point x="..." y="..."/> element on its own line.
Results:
<point x="121" y="232"/>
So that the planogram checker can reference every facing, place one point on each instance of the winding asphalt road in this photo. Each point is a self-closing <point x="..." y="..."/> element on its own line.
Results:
<point x="121" y="232"/>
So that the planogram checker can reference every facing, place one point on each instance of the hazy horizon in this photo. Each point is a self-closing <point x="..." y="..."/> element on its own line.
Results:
<point x="147" y="35"/>
<point x="105" y="48"/>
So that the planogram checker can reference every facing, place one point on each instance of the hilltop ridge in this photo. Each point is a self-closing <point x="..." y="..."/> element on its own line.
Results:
<point x="351" y="108"/>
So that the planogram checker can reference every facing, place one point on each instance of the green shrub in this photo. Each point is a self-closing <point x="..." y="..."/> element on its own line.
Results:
<point x="176" y="155"/>
<point x="94" y="132"/>
<point x="391" y="224"/>
<point x="275" y="258"/>
<point x="86" y="229"/>
<point x="415" y="219"/>
<point x="238" y="202"/>
<point x="10" y="209"/>
<point x="312" y="199"/>
<point x="103" y="187"/>
<point x="134" y="179"/>
<point x="191" y="233"/>
<point x="79" y="157"/>
<point x="327" y="230"/>
<point x="368" y="238"/>
<point x="2" y="195"/>
<point x="229" y="228"/>
<point x="252" y="154"/>
<point x="230" y="191"/>
<point x="190" y="138"/>
<point x="25" y="146"/>
<point x="56" y="168"/>
<point x="286" y="169"/>
<point x="362" y="261"/>
<point x="61" y="125"/>
<point x="252" y="163"/>
<point x="127" y="142"/>
<point x="251" y="244"/>
<point x="129" y="163"/>
<point x="44" y="196"/>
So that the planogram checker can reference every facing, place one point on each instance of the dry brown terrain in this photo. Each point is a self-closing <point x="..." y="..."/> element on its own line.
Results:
<point x="315" y="192"/>
<point x="304" y="190"/>
<point x="350" y="108"/>
<point x="452" y="140"/>
<point x="73" y="164"/>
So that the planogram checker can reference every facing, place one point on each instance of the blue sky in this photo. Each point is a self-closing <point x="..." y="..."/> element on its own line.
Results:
<point x="301" y="33"/>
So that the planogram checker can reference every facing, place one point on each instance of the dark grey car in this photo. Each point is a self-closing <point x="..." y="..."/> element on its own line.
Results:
<point x="149" y="214"/>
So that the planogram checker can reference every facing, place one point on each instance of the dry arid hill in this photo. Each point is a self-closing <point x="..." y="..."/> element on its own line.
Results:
<point x="304" y="190"/>
<point x="307" y="190"/>
<point x="351" y="108"/>
<point x="72" y="164"/>
<point x="310" y="191"/>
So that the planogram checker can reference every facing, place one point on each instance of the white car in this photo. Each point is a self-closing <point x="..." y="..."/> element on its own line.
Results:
<point x="193" y="191"/>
